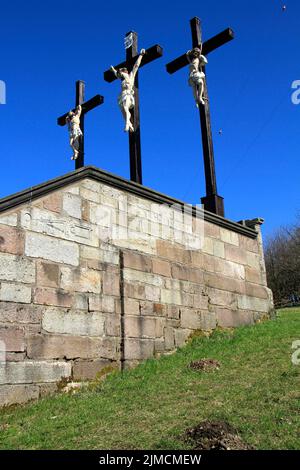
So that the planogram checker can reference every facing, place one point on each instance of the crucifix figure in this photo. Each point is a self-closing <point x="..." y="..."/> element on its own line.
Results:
<point x="128" y="100"/>
<point x="75" y="121"/>
<point x="196" y="58"/>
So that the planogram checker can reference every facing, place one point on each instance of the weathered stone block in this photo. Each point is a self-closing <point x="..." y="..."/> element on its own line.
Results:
<point x="171" y="297"/>
<point x="181" y="337"/>
<point x="138" y="349"/>
<point x="13" y="338"/>
<point x="190" y="318"/>
<point x="208" y="321"/>
<point x="152" y="293"/>
<point x="143" y="327"/>
<point x="47" y="274"/>
<point x="33" y="372"/>
<point x="131" y="307"/>
<point x="173" y="252"/>
<point x="20" y="313"/>
<point x="56" y="297"/>
<point x="253" y="275"/>
<point x="134" y="291"/>
<point x="88" y="370"/>
<point x="111" y="281"/>
<point x="9" y="219"/>
<point x="228" y="268"/>
<point x="15" y="293"/>
<point x="137" y="261"/>
<point x="53" y="249"/>
<point x="11" y="240"/>
<point x="235" y="254"/>
<point x="101" y="303"/>
<point x="252" y="303"/>
<point x="16" y="268"/>
<point x="13" y="394"/>
<point x="222" y="298"/>
<point x="72" y="205"/>
<point x="229" y="237"/>
<point x="254" y="290"/>
<point x="53" y="202"/>
<point x="211" y="230"/>
<point x="227" y="318"/>
<point x="224" y="283"/>
<point x="81" y="280"/>
<point x="161" y="267"/>
<point x="72" y="322"/>
<point x="63" y="346"/>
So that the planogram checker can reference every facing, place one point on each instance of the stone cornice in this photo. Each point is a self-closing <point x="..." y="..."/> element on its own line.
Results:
<point x="123" y="184"/>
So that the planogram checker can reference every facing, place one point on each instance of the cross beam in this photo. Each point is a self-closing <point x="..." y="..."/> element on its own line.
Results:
<point x="212" y="201"/>
<point x="151" y="54"/>
<point x="86" y="107"/>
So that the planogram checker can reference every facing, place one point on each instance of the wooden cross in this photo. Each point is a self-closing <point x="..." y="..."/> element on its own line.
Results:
<point x="212" y="201"/>
<point x="151" y="54"/>
<point x="86" y="107"/>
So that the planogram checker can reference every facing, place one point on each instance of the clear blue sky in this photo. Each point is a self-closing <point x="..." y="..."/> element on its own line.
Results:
<point x="47" y="46"/>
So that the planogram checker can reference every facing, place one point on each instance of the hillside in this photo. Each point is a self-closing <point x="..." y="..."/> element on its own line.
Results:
<point x="256" y="389"/>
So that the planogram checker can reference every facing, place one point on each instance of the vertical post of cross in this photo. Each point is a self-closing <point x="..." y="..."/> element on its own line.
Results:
<point x="134" y="137"/>
<point x="80" y="92"/>
<point x="212" y="201"/>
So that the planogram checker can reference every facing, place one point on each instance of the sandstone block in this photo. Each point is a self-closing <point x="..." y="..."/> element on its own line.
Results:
<point x="47" y="274"/>
<point x="171" y="297"/>
<point x="14" y="394"/>
<point x="222" y="298"/>
<point x="253" y="275"/>
<point x="63" y="346"/>
<point x="13" y="338"/>
<point x="169" y="338"/>
<point x="208" y="321"/>
<point x="161" y="267"/>
<point x="229" y="237"/>
<point x="190" y="318"/>
<point x="143" y="327"/>
<point x="53" y="202"/>
<point x="152" y="293"/>
<point x="211" y="230"/>
<point x="228" y="268"/>
<point x="134" y="291"/>
<point x="181" y="337"/>
<point x="53" y="249"/>
<point x="11" y="240"/>
<point x="15" y="293"/>
<point x="9" y="219"/>
<point x="137" y="261"/>
<point x="224" y="283"/>
<point x="101" y="303"/>
<point x="172" y="252"/>
<point x="88" y="370"/>
<point x="34" y="372"/>
<point x="16" y="268"/>
<point x="138" y="349"/>
<point x="111" y="281"/>
<point x="72" y="205"/>
<point x="81" y="280"/>
<point x="55" y="297"/>
<point x="90" y="195"/>
<point x="72" y="322"/>
<point x="227" y="318"/>
<point x="235" y="254"/>
<point x="253" y="304"/>
<point x="20" y="313"/>
<point x="131" y="307"/>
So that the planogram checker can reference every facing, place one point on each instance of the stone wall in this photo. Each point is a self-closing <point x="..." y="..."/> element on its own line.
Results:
<point x="94" y="276"/>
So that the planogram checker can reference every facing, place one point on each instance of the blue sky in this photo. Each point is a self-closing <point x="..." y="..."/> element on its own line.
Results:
<point x="47" y="46"/>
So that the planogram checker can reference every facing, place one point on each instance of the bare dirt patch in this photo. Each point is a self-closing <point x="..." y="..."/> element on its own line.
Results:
<point x="215" y="435"/>
<point x="205" y="365"/>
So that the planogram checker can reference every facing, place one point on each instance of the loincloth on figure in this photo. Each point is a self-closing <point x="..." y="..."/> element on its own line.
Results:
<point x="196" y="78"/>
<point x="124" y="96"/>
<point x="75" y="132"/>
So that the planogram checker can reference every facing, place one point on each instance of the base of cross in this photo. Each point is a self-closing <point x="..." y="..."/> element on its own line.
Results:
<point x="214" y="203"/>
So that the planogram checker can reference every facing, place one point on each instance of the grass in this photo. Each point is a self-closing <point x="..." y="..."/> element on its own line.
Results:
<point x="257" y="390"/>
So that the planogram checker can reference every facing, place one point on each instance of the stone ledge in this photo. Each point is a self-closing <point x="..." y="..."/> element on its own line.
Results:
<point x="123" y="184"/>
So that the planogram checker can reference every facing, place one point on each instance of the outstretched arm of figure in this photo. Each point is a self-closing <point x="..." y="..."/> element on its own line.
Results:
<point x="79" y="110"/>
<point x="114" y="71"/>
<point x="138" y="63"/>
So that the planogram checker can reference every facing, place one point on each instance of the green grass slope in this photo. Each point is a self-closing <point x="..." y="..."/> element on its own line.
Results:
<point x="256" y="389"/>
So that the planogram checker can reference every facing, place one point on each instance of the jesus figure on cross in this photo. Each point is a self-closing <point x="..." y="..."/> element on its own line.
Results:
<point x="197" y="76"/>
<point x="73" y="121"/>
<point x="126" y="99"/>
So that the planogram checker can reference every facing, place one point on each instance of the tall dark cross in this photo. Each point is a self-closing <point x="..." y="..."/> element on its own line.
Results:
<point x="86" y="107"/>
<point x="212" y="201"/>
<point x="154" y="52"/>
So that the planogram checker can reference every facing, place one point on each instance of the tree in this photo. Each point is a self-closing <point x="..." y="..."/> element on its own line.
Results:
<point x="282" y="256"/>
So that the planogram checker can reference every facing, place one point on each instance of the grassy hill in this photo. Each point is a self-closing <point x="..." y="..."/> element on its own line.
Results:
<point x="256" y="389"/>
